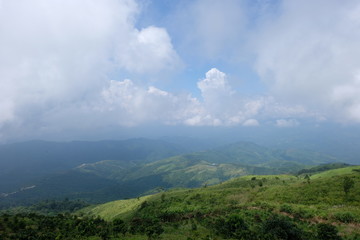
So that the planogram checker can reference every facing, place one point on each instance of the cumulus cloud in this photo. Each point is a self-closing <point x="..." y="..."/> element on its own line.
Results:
<point x="128" y="103"/>
<point x="58" y="59"/>
<point x="215" y="90"/>
<point x="132" y="104"/>
<point x="58" y="54"/>
<point x="309" y="53"/>
<point x="148" y="51"/>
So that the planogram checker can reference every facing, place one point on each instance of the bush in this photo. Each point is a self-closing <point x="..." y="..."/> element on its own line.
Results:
<point x="303" y="213"/>
<point x="149" y="226"/>
<point x="345" y="217"/>
<point x="119" y="226"/>
<point x="281" y="228"/>
<point x="286" y="208"/>
<point x="232" y="227"/>
<point x="327" y="232"/>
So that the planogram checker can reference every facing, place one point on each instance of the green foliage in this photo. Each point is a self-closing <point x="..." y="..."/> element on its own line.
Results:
<point x="232" y="226"/>
<point x="232" y="210"/>
<point x="322" y="168"/>
<point x="345" y="217"/>
<point x="119" y="226"/>
<point x="278" y="227"/>
<point x="327" y="232"/>
<point x="348" y="184"/>
<point x="151" y="227"/>
<point x="34" y="226"/>
<point x="286" y="208"/>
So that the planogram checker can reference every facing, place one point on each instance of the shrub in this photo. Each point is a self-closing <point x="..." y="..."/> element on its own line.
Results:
<point x="348" y="184"/>
<point x="345" y="217"/>
<point x="303" y="213"/>
<point x="119" y="226"/>
<point x="150" y="226"/>
<point x="231" y="227"/>
<point x="286" y="208"/>
<point x="327" y="232"/>
<point x="281" y="228"/>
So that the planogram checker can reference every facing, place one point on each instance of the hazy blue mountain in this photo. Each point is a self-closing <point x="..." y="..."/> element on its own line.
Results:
<point x="131" y="168"/>
<point x="22" y="163"/>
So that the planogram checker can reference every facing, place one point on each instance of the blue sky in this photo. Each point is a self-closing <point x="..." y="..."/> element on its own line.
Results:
<point x="70" y="67"/>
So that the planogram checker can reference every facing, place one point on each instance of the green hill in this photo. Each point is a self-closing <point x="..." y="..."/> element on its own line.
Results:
<point x="305" y="205"/>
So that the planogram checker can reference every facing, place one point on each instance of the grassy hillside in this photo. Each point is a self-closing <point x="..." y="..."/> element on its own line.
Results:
<point x="311" y="207"/>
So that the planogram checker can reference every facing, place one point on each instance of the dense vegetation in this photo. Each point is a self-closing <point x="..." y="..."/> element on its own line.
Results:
<point x="250" y="207"/>
<point x="49" y="207"/>
<point x="323" y="167"/>
<point x="320" y="206"/>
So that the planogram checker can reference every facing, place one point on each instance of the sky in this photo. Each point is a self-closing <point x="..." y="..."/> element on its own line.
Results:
<point x="78" y="69"/>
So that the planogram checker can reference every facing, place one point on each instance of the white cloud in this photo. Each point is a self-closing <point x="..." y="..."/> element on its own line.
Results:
<point x="58" y="54"/>
<point x="210" y="28"/>
<point x="56" y="59"/>
<point x="251" y="123"/>
<point x="214" y="83"/>
<point x="148" y="51"/>
<point x="131" y="104"/>
<point x="309" y="54"/>
<point x="286" y="123"/>
<point x="215" y="91"/>
<point x="347" y="98"/>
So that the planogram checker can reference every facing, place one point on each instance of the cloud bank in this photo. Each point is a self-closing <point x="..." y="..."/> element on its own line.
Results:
<point x="58" y="54"/>
<point x="220" y="105"/>
<point x="85" y="64"/>
<point x="310" y="53"/>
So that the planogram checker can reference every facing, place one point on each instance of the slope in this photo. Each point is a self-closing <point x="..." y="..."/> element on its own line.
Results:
<point x="255" y="199"/>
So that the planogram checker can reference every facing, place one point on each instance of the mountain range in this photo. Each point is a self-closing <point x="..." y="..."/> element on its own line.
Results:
<point x="109" y="170"/>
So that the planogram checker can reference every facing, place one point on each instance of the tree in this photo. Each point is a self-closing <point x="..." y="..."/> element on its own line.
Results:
<point x="307" y="178"/>
<point x="348" y="184"/>
<point x="119" y="226"/>
<point x="153" y="229"/>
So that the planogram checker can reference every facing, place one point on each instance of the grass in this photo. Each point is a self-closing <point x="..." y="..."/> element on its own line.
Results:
<point x="336" y="172"/>
<point x="114" y="209"/>
<point x="320" y="200"/>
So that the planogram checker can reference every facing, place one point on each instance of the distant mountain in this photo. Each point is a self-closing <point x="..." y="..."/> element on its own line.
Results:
<point x="134" y="167"/>
<point x="223" y="163"/>
<point x="21" y="164"/>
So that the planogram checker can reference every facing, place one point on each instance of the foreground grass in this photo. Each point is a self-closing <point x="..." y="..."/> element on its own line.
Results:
<point x="187" y="213"/>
